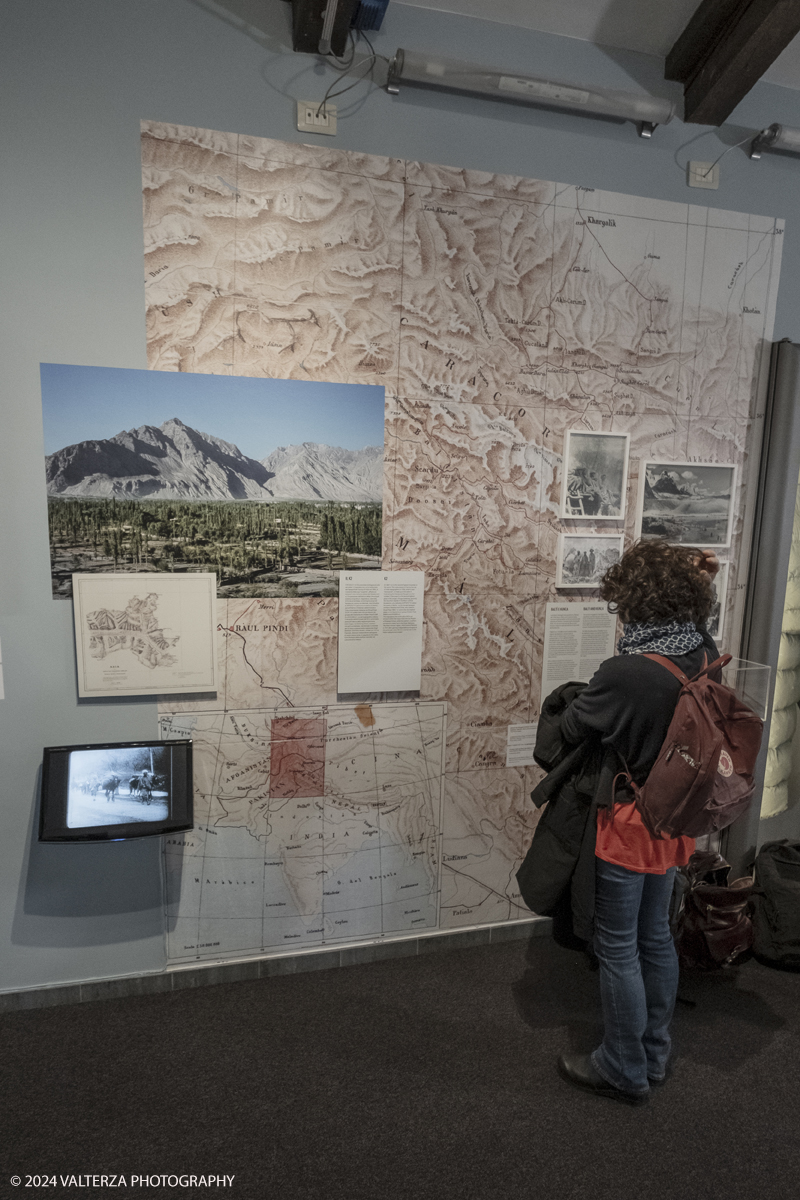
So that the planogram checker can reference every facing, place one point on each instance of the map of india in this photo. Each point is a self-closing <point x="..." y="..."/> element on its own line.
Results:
<point x="312" y="827"/>
<point x="499" y="313"/>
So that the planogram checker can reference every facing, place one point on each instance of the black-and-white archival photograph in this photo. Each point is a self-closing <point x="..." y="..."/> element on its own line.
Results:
<point x="687" y="503"/>
<point x="583" y="559"/>
<point x="595" y="476"/>
<point x="118" y="786"/>
<point x="716" y="621"/>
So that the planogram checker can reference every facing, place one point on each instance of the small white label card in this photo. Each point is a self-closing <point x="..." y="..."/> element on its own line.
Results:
<point x="380" y="631"/>
<point x="520" y="743"/>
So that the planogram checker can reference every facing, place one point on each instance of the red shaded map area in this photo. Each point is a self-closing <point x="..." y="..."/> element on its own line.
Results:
<point x="297" y="758"/>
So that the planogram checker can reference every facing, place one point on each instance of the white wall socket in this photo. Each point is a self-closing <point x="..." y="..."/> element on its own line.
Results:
<point x="703" y="175"/>
<point x="312" y="117"/>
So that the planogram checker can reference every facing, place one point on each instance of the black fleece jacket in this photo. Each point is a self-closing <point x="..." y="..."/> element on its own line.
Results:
<point x="587" y="733"/>
<point x="629" y="704"/>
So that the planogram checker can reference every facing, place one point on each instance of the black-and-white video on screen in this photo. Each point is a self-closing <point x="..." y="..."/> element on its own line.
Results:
<point x="118" y="786"/>
<point x="594" y="476"/>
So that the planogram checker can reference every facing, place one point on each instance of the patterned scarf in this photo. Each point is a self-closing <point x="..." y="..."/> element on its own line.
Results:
<point x="672" y="639"/>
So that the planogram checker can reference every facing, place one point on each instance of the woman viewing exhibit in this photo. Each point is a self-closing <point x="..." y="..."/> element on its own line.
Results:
<point x="621" y="896"/>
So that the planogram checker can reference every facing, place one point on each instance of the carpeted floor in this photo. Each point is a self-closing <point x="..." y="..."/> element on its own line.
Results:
<point x="410" y="1079"/>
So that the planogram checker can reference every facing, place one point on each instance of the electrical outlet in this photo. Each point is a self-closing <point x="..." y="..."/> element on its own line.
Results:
<point x="312" y="117"/>
<point x="703" y="175"/>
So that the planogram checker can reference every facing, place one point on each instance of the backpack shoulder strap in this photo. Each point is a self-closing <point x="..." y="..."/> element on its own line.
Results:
<point x="666" y="662"/>
<point x="717" y="665"/>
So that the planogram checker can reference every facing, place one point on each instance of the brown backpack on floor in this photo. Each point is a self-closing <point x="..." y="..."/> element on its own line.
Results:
<point x="714" y="928"/>
<point x="702" y="779"/>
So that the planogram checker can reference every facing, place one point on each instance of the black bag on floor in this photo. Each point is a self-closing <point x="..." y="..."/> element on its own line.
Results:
<point x="776" y="915"/>
<point x="713" y="927"/>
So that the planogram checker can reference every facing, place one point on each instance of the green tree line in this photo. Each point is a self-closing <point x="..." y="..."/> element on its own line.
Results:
<point x="235" y="537"/>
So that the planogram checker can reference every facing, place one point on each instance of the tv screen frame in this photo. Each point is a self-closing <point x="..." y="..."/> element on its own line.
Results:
<point x="54" y="800"/>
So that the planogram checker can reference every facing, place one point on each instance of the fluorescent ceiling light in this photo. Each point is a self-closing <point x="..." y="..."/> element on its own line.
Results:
<point x="776" y="137"/>
<point x="431" y="70"/>
<point x="327" y="27"/>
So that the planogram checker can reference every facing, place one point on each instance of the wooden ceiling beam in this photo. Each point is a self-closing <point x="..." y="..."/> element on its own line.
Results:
<point x="725" y="49"/>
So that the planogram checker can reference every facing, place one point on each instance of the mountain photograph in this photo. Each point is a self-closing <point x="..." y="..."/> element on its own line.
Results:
<point x="271" y="508"/>
<point x="689" y="503"/>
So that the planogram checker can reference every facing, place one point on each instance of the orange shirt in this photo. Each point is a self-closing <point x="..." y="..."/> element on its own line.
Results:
<point x="625" y="841"/>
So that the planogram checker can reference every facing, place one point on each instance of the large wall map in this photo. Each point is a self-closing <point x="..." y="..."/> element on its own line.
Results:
<point x="312" y="826"/>
<point x="498" y="312"/>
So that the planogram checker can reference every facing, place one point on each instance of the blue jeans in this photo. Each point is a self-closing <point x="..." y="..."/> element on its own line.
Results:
<point x="638" y="974"/>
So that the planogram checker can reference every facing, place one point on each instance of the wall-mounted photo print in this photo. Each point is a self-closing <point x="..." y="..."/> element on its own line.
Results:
<point x="145" y="635"/>
<point x="275" y="485"/>
<point x="583" y="559"/>
<point x="595" y="476"/>
<point x="687" y="503"/>
<point x="716" y="621"/>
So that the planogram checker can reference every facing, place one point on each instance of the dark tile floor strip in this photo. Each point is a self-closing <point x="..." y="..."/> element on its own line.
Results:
<point x="264" y="968"/>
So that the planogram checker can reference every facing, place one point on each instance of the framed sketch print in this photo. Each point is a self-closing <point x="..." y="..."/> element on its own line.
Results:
<point x="594" y="476"/>
<point x="690" y="504"/>
<point x="716" y="621"/>
<point x="583" y="559"/>
<point x="145" y="634"/>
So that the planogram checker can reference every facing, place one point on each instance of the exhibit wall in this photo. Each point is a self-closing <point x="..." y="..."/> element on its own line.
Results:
<point x="545" y="350"/>
<point x="460" y="202"/>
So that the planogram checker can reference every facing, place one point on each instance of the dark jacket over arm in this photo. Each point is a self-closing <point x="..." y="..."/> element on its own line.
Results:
<point x="560" y="852"/>
<point x="586" y="734"/>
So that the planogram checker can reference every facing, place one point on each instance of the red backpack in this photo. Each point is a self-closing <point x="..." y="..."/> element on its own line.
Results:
<point x="702" y="779"/>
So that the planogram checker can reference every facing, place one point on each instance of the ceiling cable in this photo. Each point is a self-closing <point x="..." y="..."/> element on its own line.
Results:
<point x="705" y="174"/>
<point x="370" y="62"/>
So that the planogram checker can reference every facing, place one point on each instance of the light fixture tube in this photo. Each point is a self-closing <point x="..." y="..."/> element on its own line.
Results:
<point x="327" y="27"/>
<point x="776" y="137"/>
<point x="431" y="70"/>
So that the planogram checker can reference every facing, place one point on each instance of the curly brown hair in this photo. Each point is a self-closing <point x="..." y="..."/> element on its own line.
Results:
<point x="657" y="583"/>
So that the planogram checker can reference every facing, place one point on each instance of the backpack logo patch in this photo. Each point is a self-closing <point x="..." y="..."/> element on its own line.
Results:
<point x="725" y="766"/>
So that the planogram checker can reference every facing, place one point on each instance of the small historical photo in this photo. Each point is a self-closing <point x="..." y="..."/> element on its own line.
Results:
<point x="118" y="786"/>
<point x="687" y="503"/>
<point x="716" y="621"/>
<point x="583" y="559"/>
<point x="595" y="476"/>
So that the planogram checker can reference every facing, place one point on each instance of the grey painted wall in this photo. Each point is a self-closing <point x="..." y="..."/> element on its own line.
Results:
<point x="77" y="78"/>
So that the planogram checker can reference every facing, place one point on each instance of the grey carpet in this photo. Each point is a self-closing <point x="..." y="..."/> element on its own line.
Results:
<point x="410" y="1079"/>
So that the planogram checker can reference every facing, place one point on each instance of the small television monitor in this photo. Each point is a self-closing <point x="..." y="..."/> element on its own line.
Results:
<point x="115" y="791"/>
